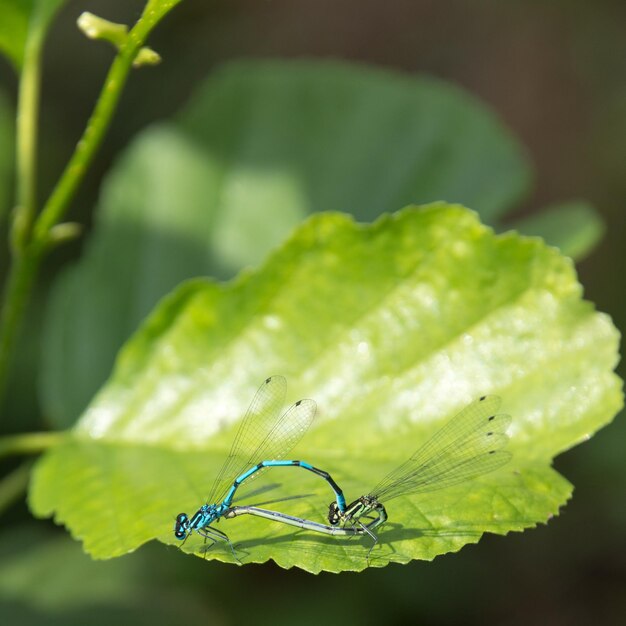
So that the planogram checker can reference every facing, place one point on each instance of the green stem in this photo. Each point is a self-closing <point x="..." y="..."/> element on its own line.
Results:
<point x="29" y="443"/>
<point x="14" y="485"/>
<point x="23" y="268"/>
<point x="26" y="141"/>
<point x="57" y="204"/>
<point x="16" y="293"/>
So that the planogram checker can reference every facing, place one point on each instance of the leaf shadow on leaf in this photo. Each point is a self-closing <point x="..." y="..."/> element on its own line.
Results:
<point x="285" y="499"/>
<point x="393" y="533"/>
<point x="302" y="541"/>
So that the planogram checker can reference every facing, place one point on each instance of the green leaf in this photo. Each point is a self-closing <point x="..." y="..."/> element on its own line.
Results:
<point x="573" y="227"/>
<point x="22" y="19"/>
<point x="7" y="147"/>
<point x="392" y="328"/>
<point x="14" y="15"/>
<point x="79" y="591"/>
<point x="326" y="136"/>
<point x="261" y="146"/>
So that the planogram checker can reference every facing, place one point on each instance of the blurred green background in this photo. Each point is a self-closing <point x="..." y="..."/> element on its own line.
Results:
<point x="554" y="72"/>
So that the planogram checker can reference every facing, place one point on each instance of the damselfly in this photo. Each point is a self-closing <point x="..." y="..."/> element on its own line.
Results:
<point x="264" y="433"/>
<point x="468" y="446"/>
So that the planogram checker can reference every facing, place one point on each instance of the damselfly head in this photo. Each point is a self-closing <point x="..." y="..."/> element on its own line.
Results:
<point x="181" y="528"/>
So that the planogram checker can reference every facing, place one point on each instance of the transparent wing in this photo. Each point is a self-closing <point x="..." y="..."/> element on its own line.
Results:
<point x="467" y="446"/>
<point x="262" y="413"/>
<point x="264" y="433"/>
<point x="285" y="434"/>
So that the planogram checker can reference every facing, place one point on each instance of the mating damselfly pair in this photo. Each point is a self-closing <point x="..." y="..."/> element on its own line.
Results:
<point x="468" y="446"/>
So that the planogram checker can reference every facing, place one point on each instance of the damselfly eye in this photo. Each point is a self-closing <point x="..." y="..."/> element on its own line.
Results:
<point x="333" y="515"/>
<point x="180" y="528"/>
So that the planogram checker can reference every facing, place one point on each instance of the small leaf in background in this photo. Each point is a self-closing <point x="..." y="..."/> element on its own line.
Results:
<point x="7" y="151"/>
<point x="78" y="590"/>
<point x="260" y="147"/>
<point x="573" y="227"/>
<point x="21" y="19"/>
<point x="14" y="16"/>
<point x="392" y="328"/>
